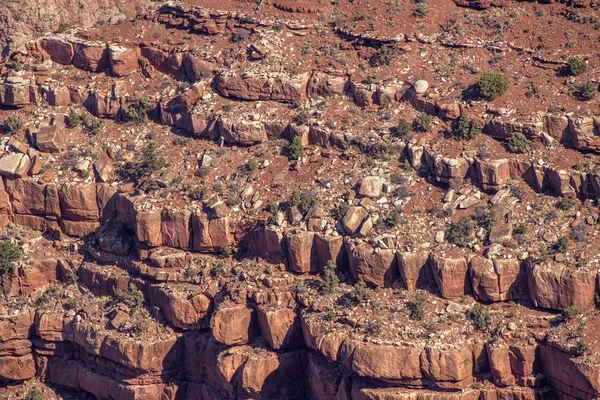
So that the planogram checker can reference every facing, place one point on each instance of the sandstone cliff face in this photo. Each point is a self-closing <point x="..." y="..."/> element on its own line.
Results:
<point x="23" y="21"/>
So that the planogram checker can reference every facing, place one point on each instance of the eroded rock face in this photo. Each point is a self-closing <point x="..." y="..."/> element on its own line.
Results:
<point x="374" y="266"/>
<point x="451" y="275"/>
<point x="233" y="324"/>
<point x="558" y="286"/>
<point x="497" y="279"/>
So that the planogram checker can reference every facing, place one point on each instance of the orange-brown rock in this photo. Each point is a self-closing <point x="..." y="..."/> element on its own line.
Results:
<point x="374" y="266"/>
<point x="279" y="327"/>
<point x="233" y="324"/>
<point x="451" y="275"/>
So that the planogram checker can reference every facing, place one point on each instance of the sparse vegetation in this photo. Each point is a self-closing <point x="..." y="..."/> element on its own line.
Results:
<point x="330" y="278"/>
<point x="417" y="307"/>
<point x="461" y="232"/>
<point x="480" y="317"/>
<point x="9" y="253"/>
<point x="421" y="10"/>
<point x="34" y="394"/>
<point x="340" y="210"/>
<point x="73" y="119"/>
<point x="580" y="347"/>
<point x="382" y="56"/>
<point x="151" y="160"/>
<point x="422" y="123"/>
<point x="404" y="128"/>
<point x="492" y="85"/>
<point x="566" y="203"/>
<point x="360" y="293"/>
<point x="138" y="110"/>
<point x="576" y="66"/>
<point x="295" y="149"/>
<point x="465" y="128"/>
<point x="584" y="91"/>
<point x="12" y="125"/>
<point x="518" y="143"/>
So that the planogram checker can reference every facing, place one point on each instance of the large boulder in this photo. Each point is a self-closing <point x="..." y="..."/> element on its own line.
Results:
<point x="123" y="61"/>
<point x="558" y="286"/>
<point x="376" y="267"/>
<point x="233" y="324"/>
<point x="14" y="165"/>
<point x="497" y="279"/>
<point x="451" y="275"/>
<point x="415" y="270"/>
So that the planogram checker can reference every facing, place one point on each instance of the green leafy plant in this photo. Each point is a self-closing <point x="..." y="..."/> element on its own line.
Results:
<point x="521" y="229"/>
<point x="73" y="119"/>
<point x="518" y="143"/>
<point x="492" y="85"/>
<point x="416" y="307"/>
<point x="576" y="66"/>
<point x="12" y="125"/>
<point x="62" y="28"/>
<point x="295" y="149"/>
<point x="9" y="253"/>
<point x="584" y="91"/>
<point x="480" y="316"/>
<point x="421" y="10"/>
<point x="34" y="394"/>
<point x="360" y="293"/>
<point x="566" y="203"/>
<point x="461" y="232"/>
<point x="465" y="128"/>
<point x="383" y="56"/>
<point x="340" y="210"/>
<point x="404" y="128"/>
<point x="151" y="161"/>
<point x="422" y="123"/>
<point x="330" y="277"/>
<point x="580" y="347"/>
<point x="138" y="110"/>
<point x="252" y="165"/>
<point x="569" y="313"/>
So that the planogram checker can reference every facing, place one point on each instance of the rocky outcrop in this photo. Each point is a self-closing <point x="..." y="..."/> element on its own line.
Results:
<point x="558" y="286"/>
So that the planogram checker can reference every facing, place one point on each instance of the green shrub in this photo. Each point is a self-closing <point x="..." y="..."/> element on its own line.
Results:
<point x="416" y="307"/>
<point x="330" y="278"/>
<point x="560" y="246"/>
<point x="73" y="119"/>
<point x="521" y="229"/>
<point x="34" y="394"/>
<point x="9" y="253"/>
<point x="404" y="128"/>
<point x="576" y="66"/>
<point x="421" y="10"/>
<point x="383" y="56"/>
<point x="480" y="316"/>
<point x="566" y="203"/>
<point x="461" y="233"/>
<point x="584" y="91"/>
<point x="580" y="347"/>
<point x="393" y="219"/>
<point x="307" y="201"/>
<point x="464" y="128"/>
<point x="252" y="165"/>
<point x="360" y="293"/>
<point x="492" y="85"/>
<point x="340" y="210"/>
<point x="518" y="143"/>
<point x="12" y="125"/>
<point x="138" y="110"/>
<point x="569" y="313"/>
<point x="62" y="28"/>
<point x="422" y="123"/>
<point x="295" y="149"/>
<point x="151" y="161"/>
<point x="484" y="217"/>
